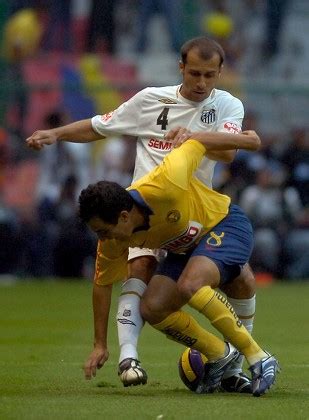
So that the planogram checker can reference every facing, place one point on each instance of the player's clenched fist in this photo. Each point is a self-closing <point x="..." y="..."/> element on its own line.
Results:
<point x="41" y="138"/>
<point x="95" y="361"/>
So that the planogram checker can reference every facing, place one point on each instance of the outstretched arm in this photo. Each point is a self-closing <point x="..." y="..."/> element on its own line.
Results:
<point x="101" y="306"/>
<point x="181" y="134"/>
<point x="77" y="132"/>
<point x="247" y="140"/>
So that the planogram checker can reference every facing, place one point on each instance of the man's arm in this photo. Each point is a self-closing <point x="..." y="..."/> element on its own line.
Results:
<point x="226" y="156"/>
<point x="247" y="140"/>
<point x="101" y="300"/>
<point x="77" y="132"/>
<point x="217" y="141"/>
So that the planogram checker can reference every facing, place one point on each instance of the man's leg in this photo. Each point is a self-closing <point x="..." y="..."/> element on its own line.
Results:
<point x="214" y="306"/>
<point x="160" y="307"/>
<point x="241" y="295"/>
<point x="162" y="301"/>
<point x="221" y="314"/>
<point x="129" y="320"/>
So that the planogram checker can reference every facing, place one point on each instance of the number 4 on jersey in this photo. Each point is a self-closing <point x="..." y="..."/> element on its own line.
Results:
<point x="162" y="118"/>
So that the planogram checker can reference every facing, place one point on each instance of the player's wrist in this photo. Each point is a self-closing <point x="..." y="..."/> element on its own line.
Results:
<point x="99" y="344"/>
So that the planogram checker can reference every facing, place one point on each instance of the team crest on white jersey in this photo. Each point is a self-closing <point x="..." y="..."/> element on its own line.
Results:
<point x="208" y="116"/>
<point x="167" y="101"/>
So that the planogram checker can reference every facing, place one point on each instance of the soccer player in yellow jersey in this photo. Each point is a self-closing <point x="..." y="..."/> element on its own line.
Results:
<point x="204" y="236"/>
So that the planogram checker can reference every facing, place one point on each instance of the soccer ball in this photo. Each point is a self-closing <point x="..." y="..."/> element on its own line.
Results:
<point x="191" y="368"/>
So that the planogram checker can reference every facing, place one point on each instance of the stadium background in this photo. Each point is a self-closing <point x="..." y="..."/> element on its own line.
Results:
<point x="67" y="60"/>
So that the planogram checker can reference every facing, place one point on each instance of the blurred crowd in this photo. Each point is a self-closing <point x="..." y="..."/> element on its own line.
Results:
<point x="42" y="234"/>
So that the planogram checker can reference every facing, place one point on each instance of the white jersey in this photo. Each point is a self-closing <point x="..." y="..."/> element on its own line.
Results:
<point x="153" y="111"/>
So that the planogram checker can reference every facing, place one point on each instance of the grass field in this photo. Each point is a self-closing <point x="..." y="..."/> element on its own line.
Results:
<point x="46" y="333"/>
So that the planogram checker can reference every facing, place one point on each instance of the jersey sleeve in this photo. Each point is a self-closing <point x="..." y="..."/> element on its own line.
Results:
<point x="231" y="116"/>
<point x="123" y="120"/>
<point x="111" y="263"/>
<point x="180" y="164"/>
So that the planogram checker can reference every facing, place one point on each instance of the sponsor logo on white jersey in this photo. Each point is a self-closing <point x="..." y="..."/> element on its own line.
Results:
<point x="186" y="239"/>
<point x="107" y="116"/>
<point x="160" y="144"/>
<point x="232" y="127"/>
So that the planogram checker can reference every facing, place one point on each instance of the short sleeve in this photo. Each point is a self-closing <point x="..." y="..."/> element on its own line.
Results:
<point x="123" y="120"/>
<point x="111" y="263"/>
<point x="231" y="116"/>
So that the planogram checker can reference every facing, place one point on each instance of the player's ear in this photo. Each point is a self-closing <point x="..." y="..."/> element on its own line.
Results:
<point x="220" y="70"/>
<point x="181" y="66"/>
<point x="124" y="216"/>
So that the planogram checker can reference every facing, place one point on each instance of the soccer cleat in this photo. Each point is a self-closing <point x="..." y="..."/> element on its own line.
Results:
<point x="214" y="371"/>
<point x="131" y="372"/>
<point x="263" y="375"/>
<point x="238" y="382"/>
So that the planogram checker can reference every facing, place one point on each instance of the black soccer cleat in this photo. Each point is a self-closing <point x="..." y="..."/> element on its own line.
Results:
<point x="238" y="382"/>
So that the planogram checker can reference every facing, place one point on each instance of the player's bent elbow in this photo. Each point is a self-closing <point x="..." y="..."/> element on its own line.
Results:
<point x="257" y="144"/>
<point x="228" y="157"/>
<point x="254" y="144"/>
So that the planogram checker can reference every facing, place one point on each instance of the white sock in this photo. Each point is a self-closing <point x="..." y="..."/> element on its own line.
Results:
<point x="245" y="309"/>
<point x="129" y="320"/>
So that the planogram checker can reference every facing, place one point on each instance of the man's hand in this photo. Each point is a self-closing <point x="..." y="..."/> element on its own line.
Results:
<point x="41" y="138"/>
<point x="178" y="136"/>
<point x="95" y="361"/>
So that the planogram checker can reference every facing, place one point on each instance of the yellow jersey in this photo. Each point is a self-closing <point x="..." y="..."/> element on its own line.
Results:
<point x="182" y="210"/>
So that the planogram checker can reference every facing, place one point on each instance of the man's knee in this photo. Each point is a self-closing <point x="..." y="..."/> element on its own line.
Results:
<point x="187" y="288"/>
<point x="152" y="311"/>
<point x="160" y="299"/>
<point x="199" y="272"/>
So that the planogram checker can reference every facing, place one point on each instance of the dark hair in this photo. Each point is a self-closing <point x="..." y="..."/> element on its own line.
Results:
<point x="206" y="48"/>
<point x="105" y="200"/>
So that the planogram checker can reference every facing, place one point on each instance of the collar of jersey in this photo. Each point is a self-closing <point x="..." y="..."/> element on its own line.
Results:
<point x="139" y="200"/>
<point x="193" y="103"/>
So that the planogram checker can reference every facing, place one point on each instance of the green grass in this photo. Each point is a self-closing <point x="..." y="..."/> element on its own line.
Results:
<point x="46" y="334"/>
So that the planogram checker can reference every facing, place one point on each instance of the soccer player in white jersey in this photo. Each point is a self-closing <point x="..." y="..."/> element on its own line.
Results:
<point x="197" y="105"/>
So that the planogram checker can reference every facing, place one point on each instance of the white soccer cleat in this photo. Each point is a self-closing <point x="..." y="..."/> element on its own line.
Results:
<point x="264" y="375"/>
<point x="131" y="373"/>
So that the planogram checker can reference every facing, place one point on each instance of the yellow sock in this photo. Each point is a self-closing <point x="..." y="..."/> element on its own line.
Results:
<point x="223" y="317"/>
<point x="183" y="328"/>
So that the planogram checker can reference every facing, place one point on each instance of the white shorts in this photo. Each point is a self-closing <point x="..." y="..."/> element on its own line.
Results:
<point x="141" y="252"/>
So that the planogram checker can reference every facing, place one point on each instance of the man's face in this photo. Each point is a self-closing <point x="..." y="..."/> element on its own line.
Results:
<point x="121" y="231"/>
<point x="199" y="76"/>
